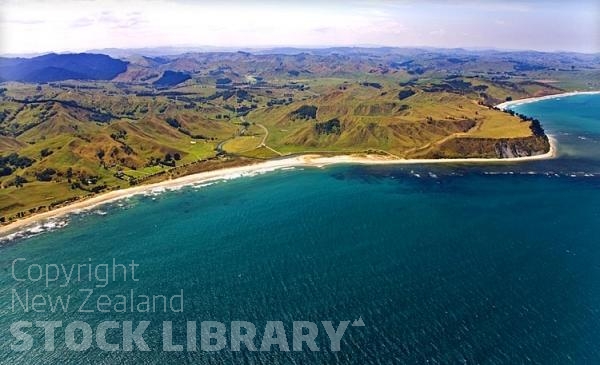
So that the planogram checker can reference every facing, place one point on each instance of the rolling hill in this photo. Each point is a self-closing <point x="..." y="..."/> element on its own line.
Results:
<point x="150" y="118"/>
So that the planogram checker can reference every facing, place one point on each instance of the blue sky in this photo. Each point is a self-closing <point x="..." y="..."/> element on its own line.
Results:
<point x="36" y="26"/>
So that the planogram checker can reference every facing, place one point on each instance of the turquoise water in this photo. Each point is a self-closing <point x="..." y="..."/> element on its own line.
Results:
<point x="496" y="264"/>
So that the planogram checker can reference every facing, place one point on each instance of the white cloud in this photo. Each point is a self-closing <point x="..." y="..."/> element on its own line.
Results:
<point x="77" y="25"/>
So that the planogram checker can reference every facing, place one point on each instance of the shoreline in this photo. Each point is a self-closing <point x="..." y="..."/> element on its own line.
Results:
<point x="507" y="104"/>
<point x="35" y="221"/>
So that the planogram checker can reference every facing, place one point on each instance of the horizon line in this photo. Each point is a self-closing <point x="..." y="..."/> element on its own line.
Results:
<point x="233" y="49"/>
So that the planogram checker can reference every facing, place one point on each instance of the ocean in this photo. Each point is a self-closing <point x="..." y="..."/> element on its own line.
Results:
<point x="425" y="264"/>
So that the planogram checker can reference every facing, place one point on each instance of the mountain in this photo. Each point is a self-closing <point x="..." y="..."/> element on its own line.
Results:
<point x="179" y="114"/>
<point x="58" y="67"/>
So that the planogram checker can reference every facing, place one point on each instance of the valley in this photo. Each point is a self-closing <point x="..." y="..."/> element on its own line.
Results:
<point x="69" y="131"/>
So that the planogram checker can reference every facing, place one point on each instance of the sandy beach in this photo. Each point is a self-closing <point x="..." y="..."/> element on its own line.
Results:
<point x="309" y="160"/>
<point x="507" y="104"/>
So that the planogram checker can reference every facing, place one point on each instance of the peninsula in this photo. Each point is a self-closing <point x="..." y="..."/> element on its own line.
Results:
<point x="70" y="132"/>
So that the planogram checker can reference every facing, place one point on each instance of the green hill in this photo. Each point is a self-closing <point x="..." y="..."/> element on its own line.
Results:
<point x="66" y="140"/>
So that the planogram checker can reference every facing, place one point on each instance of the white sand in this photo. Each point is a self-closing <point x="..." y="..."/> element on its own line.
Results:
<point x="296" y="161"/>
<point x="507" y="104"/>
<point x="232" y="172"/>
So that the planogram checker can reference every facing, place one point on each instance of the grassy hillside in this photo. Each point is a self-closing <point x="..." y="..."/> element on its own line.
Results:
<point x="69" y="139"/>
<point x="379" y="119"/>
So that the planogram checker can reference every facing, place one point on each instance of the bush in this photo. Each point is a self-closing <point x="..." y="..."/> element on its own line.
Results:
<point x="19" y="181"/>
<point x="46" y="152"/>
<point x="100" y="118"/>
<point x="5" y="171"/>
<point x="306" y="112"/>
<point x="16" y="161"/>
<point x="45" y="175"/>
<point x="97" y="189"/>
<point x="406" y="93"/>
<point x="372" y="84"/>
<point x="332" y="126"/>
<point x="173" y="122"/>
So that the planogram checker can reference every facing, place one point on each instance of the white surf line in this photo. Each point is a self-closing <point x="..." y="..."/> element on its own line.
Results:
<point x="308" y="160"/>
<point x="507" y="104"/>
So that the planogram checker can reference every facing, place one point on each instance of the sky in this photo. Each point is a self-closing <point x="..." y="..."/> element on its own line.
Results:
<point x="40" y="26"/>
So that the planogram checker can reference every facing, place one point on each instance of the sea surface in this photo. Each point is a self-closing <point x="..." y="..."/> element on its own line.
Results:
<point x="453" y="264"/>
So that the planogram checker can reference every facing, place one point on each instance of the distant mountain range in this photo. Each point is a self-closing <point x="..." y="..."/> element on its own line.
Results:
<point x="143" y="65"/>
<point x="344" y="50"/>
<point x="58" y="67"/>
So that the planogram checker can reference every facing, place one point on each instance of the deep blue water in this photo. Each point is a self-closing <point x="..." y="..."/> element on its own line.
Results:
<point x="495" y="264"/>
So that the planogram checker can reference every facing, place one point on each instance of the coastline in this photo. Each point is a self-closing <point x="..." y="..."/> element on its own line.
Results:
<point x="308" y="160"/>
<point x="507" y="104"/>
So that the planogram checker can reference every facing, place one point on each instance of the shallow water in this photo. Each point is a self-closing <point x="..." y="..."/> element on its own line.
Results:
<point x="462" y="263"/>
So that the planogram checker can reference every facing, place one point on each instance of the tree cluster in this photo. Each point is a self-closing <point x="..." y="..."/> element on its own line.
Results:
<point x="332" y="126"/>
